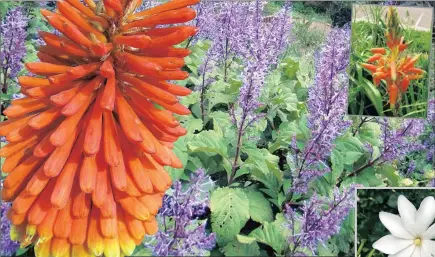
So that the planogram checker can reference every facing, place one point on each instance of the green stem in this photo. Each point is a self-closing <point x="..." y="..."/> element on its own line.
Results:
<point x="361" y="247"/>
<point x="371" y="252"/>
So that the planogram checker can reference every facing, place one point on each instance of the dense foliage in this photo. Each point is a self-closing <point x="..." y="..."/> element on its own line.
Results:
<point x="269" y="129"/>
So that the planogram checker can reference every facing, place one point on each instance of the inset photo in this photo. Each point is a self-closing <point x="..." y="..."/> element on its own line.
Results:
<point x="396" y="222"/>
<point x="390" y="56"/>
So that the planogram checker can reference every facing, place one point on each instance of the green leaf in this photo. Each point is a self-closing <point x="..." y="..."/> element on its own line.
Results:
<point x="273" y="234"/>
<point x="373" y="94"/>
<point x="245" y="239"/>
<point x="238" y="249"/>
<point x="390" y="173"/>
<point x="229" y="213"/>
<point x="259" y="207"/>
<point x="351" y="157"/>
<point x="337" y="166"/>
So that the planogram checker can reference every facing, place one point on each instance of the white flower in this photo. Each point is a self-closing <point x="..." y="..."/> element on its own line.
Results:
<point x="410" y="232"/>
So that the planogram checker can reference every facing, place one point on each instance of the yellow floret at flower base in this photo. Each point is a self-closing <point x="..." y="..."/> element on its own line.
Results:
<point x="88" y="142"/>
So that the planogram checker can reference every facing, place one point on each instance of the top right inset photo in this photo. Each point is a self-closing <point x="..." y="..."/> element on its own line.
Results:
<point x="390" y="60"/>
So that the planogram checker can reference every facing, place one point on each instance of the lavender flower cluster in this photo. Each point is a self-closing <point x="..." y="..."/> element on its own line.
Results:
<point x="12" y="49"/>
<point x="327" y="107"/>
<point x="7" y="246"/>
<point x="321" y="218"/>
<point x="429" y="141"/>
<point x="182" y="234"/>
<point x="397" y="142"/>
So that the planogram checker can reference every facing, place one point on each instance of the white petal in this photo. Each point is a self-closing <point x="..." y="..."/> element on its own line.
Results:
<point x="429" y="246"/>
<point x="426" y="213"/>
<point x="394" y="224"/>
<point x="417" y="252"/>
<point x="430" y="233"/>
<point x="407" y="212"/>
<point x="391" y="245"/>
<point x="425" y="251"/>
<point x="405" y="253"/>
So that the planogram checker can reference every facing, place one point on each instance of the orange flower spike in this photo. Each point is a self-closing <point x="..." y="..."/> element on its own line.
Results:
<point x="79" y="227"/>
<point x="172" y="5"/>
<point x="42" y="68"/>
<point x="71" y="14"/>
<point x="38" y="183"/>
<point x="94" y="130"/>
<point x="88" y="174"/>
<point x="44" y="119"/>
<point x="138" y="41"/>
<point x="12" y="124"/>
<point x="66" y="96"/>
<point x="18" y="175"/>
<point x="151" y="226"/>
<point x="416" y="70"/>
<point x="41" y="209"/>
<point x="60" y="247"/>
<point x="81" y="204"/>
<point x="380" y="75"/>
<point x="171" y="88"/>
<point x="107" y="101"/>
<point x="404" y="84"/>
<point x="44" y="147"/>
<point x="374" y="58"/>
<point x="61" y="133"/>
<point x="95" y="238"/>
<point x="12" y="161"/>
<point x="14" y="111"/>
<point x="100" y="193"/>
<point x="63" y="44"/>
<point x="127" y="118"/>
<point x="82" y="8"/>
<point x="372" y="68"/>
<point x="75" y="73"/>
<point x="137" y="64"/>
<point x="393" y="93"/>
<point x="165" y="52"/>
<point x="45" y="228"/>
<point x="67" y="28"/>
<point x="150" y="90"/>
<point x="62" y="190"/>
<point x="169" y="17"/>
<point x="410" y="64"/>
<point x="106" y="69"/>
<point x="62" y="226"/>
<point x="378" y="50"/>
<point x="126" y="243"/>
<point x="58" y="158"/>
<point x="115" y="5"/>
<point x="49" y="59"/>
<point x="111" y="143"/>
<point x="174" y="38"/>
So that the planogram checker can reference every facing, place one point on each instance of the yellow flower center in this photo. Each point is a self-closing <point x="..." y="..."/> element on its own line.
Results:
<point x="417" y="241"/>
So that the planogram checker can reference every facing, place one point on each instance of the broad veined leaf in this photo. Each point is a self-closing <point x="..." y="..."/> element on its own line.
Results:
<point x="259" y="207"/>
<point x="236" y="248"/>
<point x="229" y="213"/>
<point x="274" y="234"/>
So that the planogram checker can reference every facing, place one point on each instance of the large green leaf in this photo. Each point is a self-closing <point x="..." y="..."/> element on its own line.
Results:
<point x="236" y="248"/>
<point x="273" y="234"/>
<point x="259" y="207"/>
<point x="229" y="213"/>
<point x="373" y="94"/>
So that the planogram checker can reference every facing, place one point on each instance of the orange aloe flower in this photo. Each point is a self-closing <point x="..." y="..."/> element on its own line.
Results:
<point x="391" y="64"/>
<point x="89" y="141"/>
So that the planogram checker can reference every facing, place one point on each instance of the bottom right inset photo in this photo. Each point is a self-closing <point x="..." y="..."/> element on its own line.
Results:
<point x="395" y="222"/>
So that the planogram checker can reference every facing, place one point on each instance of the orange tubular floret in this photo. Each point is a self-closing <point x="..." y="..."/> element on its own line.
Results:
<point x="168" y="17"/>
<point x="42" y="68"/>
<point x="176" y="4"/>
<point x="138" y="41"/>
<point x="63" y="44"/>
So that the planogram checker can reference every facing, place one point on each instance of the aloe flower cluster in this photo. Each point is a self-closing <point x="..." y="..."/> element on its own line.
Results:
<point x="7" y="246"/>
<point x="327" y="107"/>
<point x="12" y="48"/>
<point x="183" y="234"/>
<point x="321" y="218"/>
